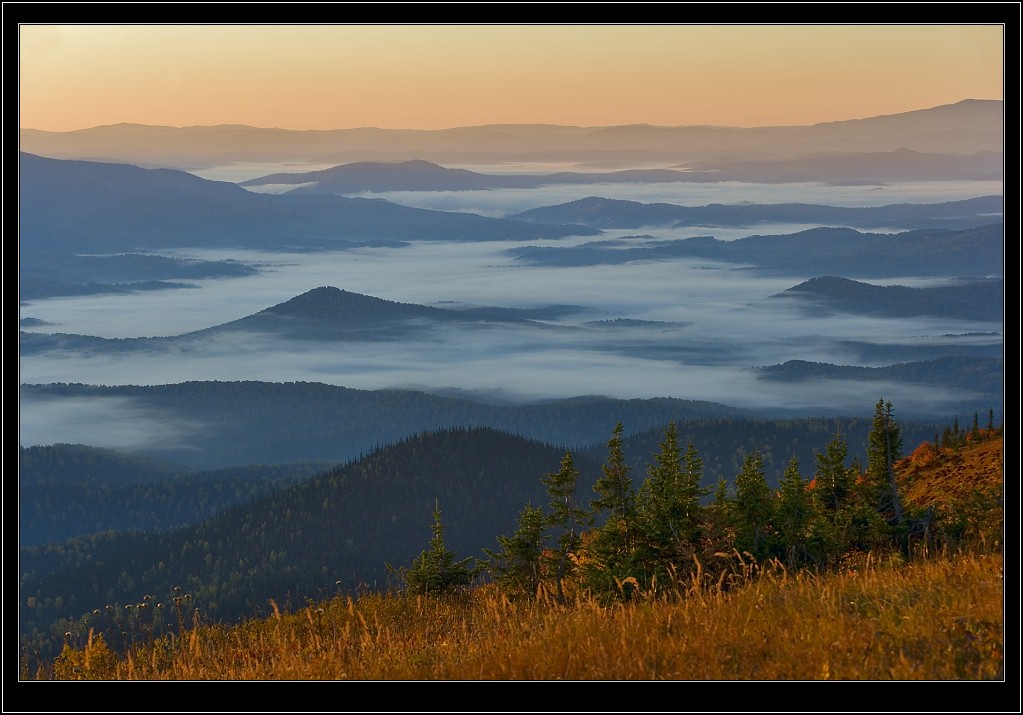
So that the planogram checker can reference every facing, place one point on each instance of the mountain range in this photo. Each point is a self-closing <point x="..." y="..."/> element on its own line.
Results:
<point x="72" y="207"/>
<point x="976" y="252"/>
<point x="618" y="213"/>
<point x="967" y="127"/>
<point x="846" y="169"/>
<point x="980" y="300"/>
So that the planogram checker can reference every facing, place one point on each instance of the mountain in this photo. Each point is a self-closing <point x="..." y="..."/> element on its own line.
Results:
<point x="985" y="377"/>
<point x="616" y="213"/>
<point x="329" y="313"/>
<point x="846" y="169"/>
<point x="220" y="424"/>
<point x="418" y="175"/>
<point x="334" y="531"/>
<point x="322" y="314"/>
<point x="72" y="207"/>
<point x="820" y="251"/>
<point x="861" y="168"/>
<point x="981" y="300"/>
<point x="49" y="275"/>
<point x="68" y="490"/>
<point x="966" y="127"/>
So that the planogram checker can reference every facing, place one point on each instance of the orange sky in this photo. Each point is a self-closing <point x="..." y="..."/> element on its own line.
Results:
<point x="437" y="76"/>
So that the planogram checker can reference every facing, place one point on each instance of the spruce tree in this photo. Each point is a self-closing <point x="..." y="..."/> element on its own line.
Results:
<point x="614" y="488"/>
<point x="435" y="571"/>
<point x="669" y="509"/>
<point x="833" y="480"/>
<point x="832" y="501"/>
<point x="884" y="448"/>
<point x="613" y="551"/>
<point x="792" y="513"/>
<point x="752" y="504"/>
<point x="517" y="567"/>
<point x="566" y="517"/>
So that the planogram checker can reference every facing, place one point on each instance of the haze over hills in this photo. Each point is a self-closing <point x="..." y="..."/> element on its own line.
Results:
<point x="214" y="424"/>
<point x="845" y="169"/>
<point x="966" y="127"/>
<point x="617" y="213"/>
<point x="418" y="175"/>
<point x="485" y="348"/>
<point x="981" y="300"/>
<point x="85" y="223"/>
<point x="89" y="207"/>
<point x="973" y="252"/>
<point x="326" y="313"/>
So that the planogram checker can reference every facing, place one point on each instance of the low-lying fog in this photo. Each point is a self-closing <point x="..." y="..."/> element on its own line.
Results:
<point x="719" y="321"/>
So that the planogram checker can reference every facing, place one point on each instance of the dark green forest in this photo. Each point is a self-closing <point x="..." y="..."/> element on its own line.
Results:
<point x="340" y="529"/>
<point x="68" y="490"/>
<point x="247" y="422"/>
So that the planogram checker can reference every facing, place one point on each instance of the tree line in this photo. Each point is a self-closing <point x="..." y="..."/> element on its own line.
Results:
<point x="659" y="534"/>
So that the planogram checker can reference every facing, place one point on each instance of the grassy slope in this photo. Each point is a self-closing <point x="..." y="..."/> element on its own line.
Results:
<point x="940" y="618"/>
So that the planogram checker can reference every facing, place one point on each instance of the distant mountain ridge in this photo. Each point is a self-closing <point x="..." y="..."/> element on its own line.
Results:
<point x="965" y="127"/>
<point x="976" y="252"/>
<point x="90" y="207"/>
<point x="855" y="169"/>
<point x="238" y="423"/>
<point x="980" y="300"/>
<point x="419" y="175"/>
<point x="607" y="213"/>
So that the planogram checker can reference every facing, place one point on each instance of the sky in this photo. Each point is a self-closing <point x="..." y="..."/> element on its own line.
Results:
<point x="434" y="76"/>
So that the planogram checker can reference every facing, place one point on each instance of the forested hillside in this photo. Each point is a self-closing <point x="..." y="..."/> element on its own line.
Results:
<point x="339" y="530"/>
<point x="69" y="490"/>
<point x="332" y="532"/>
<point x="246" y="422"/>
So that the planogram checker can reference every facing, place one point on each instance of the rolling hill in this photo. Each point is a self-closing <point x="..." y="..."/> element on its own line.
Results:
<point x="976" y="252"/>
<point x="71" y="207"/>
<point x="617" y="213"/>
<point x="981" y="300"/>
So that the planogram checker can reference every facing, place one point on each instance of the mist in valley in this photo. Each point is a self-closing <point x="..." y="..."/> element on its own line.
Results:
<point x="705" y="329"/>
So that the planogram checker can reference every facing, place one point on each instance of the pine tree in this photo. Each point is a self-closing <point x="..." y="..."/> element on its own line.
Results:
<point x="752" y="504"/>
<point x="792" y="513"/>
<point x="614" y="488"/>
<point x="669" y="510"/>
<point x="833" y="480"/>
<point x="566" y="517"/>
<point x="612" y="553"/>
<point x="517" y="567"/>
<point x="435" y="570"/>
<point x="884" y="448"/>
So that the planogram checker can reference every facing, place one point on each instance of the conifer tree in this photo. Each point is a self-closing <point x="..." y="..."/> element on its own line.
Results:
<point x="833" y="480"/>
<point x="566" y="517"/>
<point x="613" y="550"/>
<point x="884" y="448"/>
<point x="792" y="513"/>
<point x="752" y="504"/>
<point x="669" y="509"/>
<point x="435" y="570"/>
<point x="832" y="501"/>
<point x="614" y="488"/>
<point x="517" y="567"/>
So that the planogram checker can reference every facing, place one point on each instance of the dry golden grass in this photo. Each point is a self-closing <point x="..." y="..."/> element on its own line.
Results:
<point x="936" y="619"/>
<point x="940" y="479"/>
